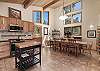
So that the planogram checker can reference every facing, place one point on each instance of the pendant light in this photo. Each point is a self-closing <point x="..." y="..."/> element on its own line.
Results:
<point x="63" y="17"/>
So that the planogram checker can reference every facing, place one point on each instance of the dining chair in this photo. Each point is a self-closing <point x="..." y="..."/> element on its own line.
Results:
<point x="71" y="45"/>
<point x="88" y="48"/>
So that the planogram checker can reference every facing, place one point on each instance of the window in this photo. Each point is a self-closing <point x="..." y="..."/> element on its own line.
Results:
<point x="77" y="18"/>
<point x="67" y="9"/>
<point x="36" y="15"/>
<point x="74" y="13"/>
<point x="67" y="29"/>
<point x="77" y="30"/>
<point x="68" y="20"/>
<point x="46" y="18"/>
<point x="76" y="6"/>
<point x="73" y="30"/>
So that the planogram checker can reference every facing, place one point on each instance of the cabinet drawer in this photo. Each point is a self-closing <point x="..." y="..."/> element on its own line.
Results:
<point x="4" y="48"/>
<point x="4" y="54"/>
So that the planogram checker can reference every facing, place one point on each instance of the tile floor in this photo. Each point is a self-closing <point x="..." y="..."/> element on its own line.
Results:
<point x="57" y="61"/>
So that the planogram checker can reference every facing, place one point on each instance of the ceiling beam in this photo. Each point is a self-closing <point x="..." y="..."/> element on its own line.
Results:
<point x="27" y="3"/>
<point x="50" y="3"/>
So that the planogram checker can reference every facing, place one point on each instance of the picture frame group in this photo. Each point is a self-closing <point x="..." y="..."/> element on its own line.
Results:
<point x="14" y="13"/>
<point x="91" y="33"/>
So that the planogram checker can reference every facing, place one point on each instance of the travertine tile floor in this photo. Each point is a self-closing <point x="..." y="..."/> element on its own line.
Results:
<point x="57" y="61"/>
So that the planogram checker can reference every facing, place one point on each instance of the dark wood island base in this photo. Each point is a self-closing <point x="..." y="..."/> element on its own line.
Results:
<point x="27" y="54"/>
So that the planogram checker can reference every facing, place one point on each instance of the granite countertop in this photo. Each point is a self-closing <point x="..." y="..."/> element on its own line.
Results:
<point x="4" y="40"/>
<point x="27" y="44"/>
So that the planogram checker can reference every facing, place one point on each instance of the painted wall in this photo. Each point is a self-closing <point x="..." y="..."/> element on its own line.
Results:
<point x="26" y="13"/>
<point x="90" y="16"/>
<point x="50" y="26"/>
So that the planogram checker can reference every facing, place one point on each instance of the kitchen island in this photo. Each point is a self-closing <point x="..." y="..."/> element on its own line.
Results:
<point x="27" y="54"/>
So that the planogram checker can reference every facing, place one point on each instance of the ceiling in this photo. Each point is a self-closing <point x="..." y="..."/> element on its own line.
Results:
<point x="39" y="3"/>
<point x="57" y="4"/>
<point x="13" y="1"/>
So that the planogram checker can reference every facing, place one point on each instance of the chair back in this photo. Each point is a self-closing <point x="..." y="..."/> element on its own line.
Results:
<point x="89" y="45"/>
<point x="71" y="40"/>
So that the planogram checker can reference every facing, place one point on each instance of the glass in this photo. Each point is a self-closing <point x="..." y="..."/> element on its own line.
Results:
<point x="68" y="20"/>
<point x="36" y="15"/>
<point x="77" y="18"/>
<point x="46" y="18"/>
<point x="67" y="9"/>
<point x="76" y="6"/>
<point x="77" y="30"/>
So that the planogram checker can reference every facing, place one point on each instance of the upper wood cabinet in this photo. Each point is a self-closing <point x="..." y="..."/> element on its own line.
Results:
<point x="4" y="22"/>
<point x="25" y="26"/>
<point x="30" y="27"/>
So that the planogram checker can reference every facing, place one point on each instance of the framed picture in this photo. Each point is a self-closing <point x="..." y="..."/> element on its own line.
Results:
<point x="45" y="31"/>
<point x="91" y="33"/>
<point x="36" y="16"/>
<point x="46" y="17"/>
<point x="13" y="13"/>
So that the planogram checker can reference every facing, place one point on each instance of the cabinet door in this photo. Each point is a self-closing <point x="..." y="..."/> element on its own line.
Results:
<point x="1" y="22"/>
<point x="30" y="27"/>
<point x="6" y="23"/>
<point x="25" y="26"/>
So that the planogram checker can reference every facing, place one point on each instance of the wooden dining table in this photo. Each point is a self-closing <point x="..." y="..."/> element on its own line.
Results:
<point x="78" y="45"/>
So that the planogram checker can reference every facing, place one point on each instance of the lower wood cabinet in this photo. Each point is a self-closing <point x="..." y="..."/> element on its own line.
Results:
<point x="4" y="49"/>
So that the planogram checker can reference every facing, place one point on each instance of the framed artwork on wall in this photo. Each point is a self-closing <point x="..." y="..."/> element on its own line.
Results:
<point x="36" y="16"/>
<point x="91" y="33"/>
<point x="13" y="13"/>
<point x="46" y="17"/>
<point x="45" y="31"/>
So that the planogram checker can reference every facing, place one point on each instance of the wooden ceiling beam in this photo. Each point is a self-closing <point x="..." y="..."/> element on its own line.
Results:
<point x="50" y="3"/>
<point x="27" y="3"/>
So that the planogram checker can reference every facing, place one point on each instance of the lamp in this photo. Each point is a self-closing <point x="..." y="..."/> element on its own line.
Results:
<point x="91" y="27"/>
<point x="63" y="17"/>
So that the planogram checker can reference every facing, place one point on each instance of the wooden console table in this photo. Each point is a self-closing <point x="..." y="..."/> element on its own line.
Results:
<point x="27" y="54"/>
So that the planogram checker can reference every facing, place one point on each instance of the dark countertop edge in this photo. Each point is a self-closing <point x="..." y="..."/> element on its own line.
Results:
<point x="4" y="40"/>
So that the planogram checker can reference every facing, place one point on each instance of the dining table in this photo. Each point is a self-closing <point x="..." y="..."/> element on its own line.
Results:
<point x="78" y="44"/>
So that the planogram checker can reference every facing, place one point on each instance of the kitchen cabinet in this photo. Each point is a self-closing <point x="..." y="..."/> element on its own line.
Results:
<point x="25" y="26"/>
<point x="4" y="49"/>
<point x="30" y="27"/>
<point x="4" y="22"/>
